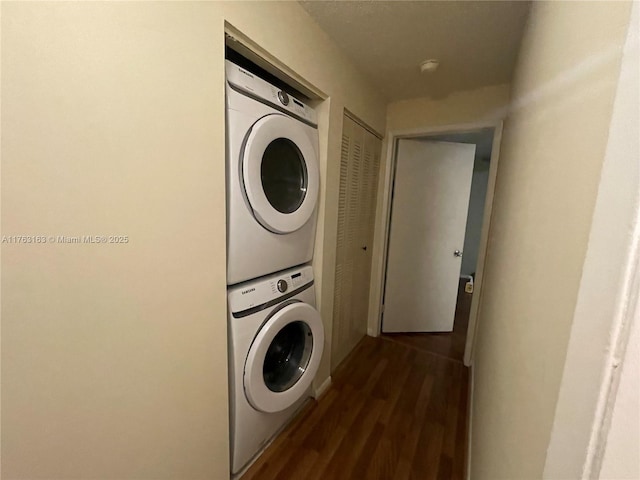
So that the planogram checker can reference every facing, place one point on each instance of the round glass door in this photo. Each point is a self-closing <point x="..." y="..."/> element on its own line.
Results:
<point x="287" y="357"/>
<point x="284" y="358"/>
<point x="284" y="175"/>
<point x="280" y="173"/>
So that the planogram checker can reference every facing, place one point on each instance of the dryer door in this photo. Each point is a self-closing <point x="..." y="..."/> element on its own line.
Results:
<point x="280" y="173"/>
<point x="284" y="357"/>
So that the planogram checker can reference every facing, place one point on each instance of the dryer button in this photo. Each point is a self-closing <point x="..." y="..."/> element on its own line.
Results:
<point x="283" y="97"/>
<point x="282" y="286"/>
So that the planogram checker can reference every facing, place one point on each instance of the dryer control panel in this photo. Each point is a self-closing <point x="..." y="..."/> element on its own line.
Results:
<point x="270" y="289"/>
<point x="253" y="86"/>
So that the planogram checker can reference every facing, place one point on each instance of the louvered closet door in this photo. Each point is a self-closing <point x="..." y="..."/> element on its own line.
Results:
<point x="366" y="219"/>
<point x="359" y="164"/>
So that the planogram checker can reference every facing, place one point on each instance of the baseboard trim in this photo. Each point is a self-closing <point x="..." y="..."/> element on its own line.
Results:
<point x="322" y="388"/>
<point x="469" y="422"/>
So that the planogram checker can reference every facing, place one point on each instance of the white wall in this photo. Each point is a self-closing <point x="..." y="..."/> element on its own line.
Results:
<point x="114" y="356"/>
<point x="552" y="153"/>
<point x="600" y="323"/>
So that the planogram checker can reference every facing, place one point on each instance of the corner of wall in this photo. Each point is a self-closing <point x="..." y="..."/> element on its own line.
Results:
<point x="601" y="323"/>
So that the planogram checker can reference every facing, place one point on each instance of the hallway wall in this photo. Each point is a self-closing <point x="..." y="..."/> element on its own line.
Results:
<point x="604" y="311"/>
<point x="114" y="357"/>
<point x="552" y="153"/>
<point x="484" y="104"/>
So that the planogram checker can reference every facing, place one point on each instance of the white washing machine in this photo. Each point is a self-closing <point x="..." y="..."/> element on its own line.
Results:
<point x="276" y="338"/>
<point x="272" y="177"/>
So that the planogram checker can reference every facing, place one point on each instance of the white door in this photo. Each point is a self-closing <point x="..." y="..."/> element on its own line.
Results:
<point x="280" y="173"/>
<point x="428" y="218"/>
<point x="284" y="358"/>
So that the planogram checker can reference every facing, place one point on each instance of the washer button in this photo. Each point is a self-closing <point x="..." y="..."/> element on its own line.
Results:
<point x="282" y="286"/>
<point x="283" y="97"/>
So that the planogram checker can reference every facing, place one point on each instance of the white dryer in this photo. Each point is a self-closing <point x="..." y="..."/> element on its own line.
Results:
<point x="272" y="177"/>
<point x="276" y="338"/>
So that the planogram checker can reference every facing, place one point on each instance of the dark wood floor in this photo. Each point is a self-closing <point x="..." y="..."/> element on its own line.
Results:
<point x="394" y="411"/>
<point x="450" y="345"/>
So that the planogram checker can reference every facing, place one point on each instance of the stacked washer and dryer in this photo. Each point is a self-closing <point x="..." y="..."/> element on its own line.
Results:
<point x="276" y="336"/>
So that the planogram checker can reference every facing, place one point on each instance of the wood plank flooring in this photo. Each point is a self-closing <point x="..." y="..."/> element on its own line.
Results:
<point x="394" y="411"/>
<point x="450" y="345"/>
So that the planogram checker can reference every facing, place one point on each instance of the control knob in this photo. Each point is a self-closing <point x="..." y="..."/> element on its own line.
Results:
<point x="283" y="97"/>
<point x="282" y="286"/>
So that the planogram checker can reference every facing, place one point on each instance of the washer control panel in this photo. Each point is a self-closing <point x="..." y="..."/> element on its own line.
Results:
<point x="258" y="292"/>
<point x="253" y="86"/>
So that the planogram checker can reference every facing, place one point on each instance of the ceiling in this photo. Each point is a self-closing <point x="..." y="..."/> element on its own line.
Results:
<point x="476" y="42"/>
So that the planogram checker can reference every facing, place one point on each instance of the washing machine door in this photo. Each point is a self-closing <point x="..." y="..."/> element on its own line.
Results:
<point x="280" y="173"/>
<point x="284" y="358"/>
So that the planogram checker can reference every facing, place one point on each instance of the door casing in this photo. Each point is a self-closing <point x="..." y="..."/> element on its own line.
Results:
<point x="383" y="214"/>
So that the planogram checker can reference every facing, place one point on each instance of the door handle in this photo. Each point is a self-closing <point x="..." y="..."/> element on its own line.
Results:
<point x="364" y="248"/>
<point x="457" y="253"/>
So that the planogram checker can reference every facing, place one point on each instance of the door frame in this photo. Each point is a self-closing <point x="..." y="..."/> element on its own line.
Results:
<point x="383" y="222"/>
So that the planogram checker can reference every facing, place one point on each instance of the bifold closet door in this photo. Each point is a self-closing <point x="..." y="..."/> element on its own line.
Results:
<point x="359" y="165"/>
